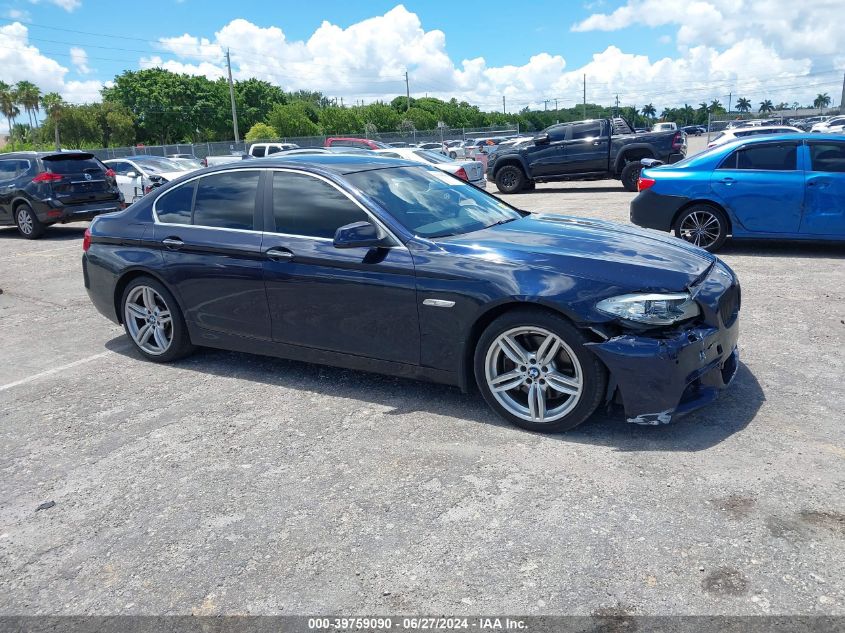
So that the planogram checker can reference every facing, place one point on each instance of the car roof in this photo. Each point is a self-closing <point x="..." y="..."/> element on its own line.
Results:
<point x="338" y="164"/>
<point x="757" y="128"/>
<point x="34" y="154"/>
<point x="770" y="138"/>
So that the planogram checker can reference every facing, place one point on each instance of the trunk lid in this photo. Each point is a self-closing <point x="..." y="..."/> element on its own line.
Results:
<point x="83" y="178"/>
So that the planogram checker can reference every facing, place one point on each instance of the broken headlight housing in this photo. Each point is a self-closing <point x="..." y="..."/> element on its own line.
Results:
<point x="651" y="309"/>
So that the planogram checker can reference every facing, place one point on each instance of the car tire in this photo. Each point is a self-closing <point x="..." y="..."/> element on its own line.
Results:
<point x="150" y="302"/>
<point x="510" y="179"/>
<point x="703" y="225"/>
<point x="515" y="379"/>
<point x="29" y="226"/>
<point x="630" y="175"/>
<point x="453" y="155"/>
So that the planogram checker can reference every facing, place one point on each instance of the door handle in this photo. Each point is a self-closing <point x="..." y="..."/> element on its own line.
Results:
<point x="279" y="254"/>
<point x="173" y="243"/>
<point x="596" y="143"/>
<point x="727" y="181"/>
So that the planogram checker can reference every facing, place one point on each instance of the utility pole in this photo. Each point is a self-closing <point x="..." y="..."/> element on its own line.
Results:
<point x="730" y="99"/>
<point x="503" y="105"/>
<point x="584" y="107"/>
<point x="616" y="110"/>
<point x="842" y="98"/>
<point x="407" y="91"/>
<point x="556" y="105"/>
<point x="545" y="103"/>
<point x="232" y="96"/>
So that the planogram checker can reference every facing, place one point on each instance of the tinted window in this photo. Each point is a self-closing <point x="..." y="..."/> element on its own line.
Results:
<point x="557" y="132"/>
<point x="72" y="164"/>
<point x="827" y="157"/>
<point x="121" y="167"/>
<point x="8" y="169"/>
<point x="258" y="152"/>
<point x="274" y="149"/>
<point x="769" y="157"/>
<point x="174" y="207"/>
<point x="586" y="130"/>
<point x="227" y="200"/>
<point x="307" y="206"/>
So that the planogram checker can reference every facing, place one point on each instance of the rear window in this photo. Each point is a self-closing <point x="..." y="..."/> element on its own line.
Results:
<point x="586" y="130"/>
<point x="828" y="157"/>
<point x="72" y="164"/>
<point x="227" y="200"/>
<point x="258" y="151"/>
<point x="174" y="207"/>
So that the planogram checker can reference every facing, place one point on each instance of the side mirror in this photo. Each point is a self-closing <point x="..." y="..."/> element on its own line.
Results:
<point x="132" y="174"/>
<point x="359" y="235"/>
<point x="543" y="139"/>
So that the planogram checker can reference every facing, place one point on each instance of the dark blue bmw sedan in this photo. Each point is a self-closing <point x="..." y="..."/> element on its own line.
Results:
<point x="388" y="266"/>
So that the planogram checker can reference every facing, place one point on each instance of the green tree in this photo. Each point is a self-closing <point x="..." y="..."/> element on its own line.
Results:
<point x="7" y="104"/>
<point x="649" y="111"/>
<point x="255" y="98"/>
<point x="743" y="105"/>
<point x="766" y="106"/>
<point x="337" y="120"/>
<point x="29" y="96"/>
<point x="716" y="107"/>
<point x="293" y="120"/>
<point x="381" y="115"/>
<point x="261" y="131"/>
<point x="53" y="106"/>
<point x="821" y="101"/>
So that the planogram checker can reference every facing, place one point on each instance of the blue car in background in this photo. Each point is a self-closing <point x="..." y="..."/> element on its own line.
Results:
<point x="785" y="186"/>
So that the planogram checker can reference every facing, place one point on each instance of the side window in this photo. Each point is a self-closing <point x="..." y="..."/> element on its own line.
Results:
<point x="258" y="151"/>
<point x="310" y="207"/>
<point x="273" y="149"/>
<point x="122" y="168"/>
<point x="227" y="200"/>
<point x="768" y="157"/>
<point x="8" y="169"/>
<point x="174" y="207"/>
<point x="586" y="130"/>
<point x="829" y="157"/>
<point x="557" y="132"/>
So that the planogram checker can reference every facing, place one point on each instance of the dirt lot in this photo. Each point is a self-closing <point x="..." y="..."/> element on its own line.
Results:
<point x="230" y="484"/>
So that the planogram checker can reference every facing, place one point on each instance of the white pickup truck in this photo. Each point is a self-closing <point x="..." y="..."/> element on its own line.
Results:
<point x="256" y="150"/>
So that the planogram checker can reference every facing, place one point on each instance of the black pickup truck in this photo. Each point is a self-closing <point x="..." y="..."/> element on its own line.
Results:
<point x="584" y="150"/>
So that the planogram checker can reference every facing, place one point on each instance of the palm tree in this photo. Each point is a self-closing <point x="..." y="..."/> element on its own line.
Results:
<point x="821" y="101"/>
<point x="715" y="106"/>
<point x="7" y="104"/>
<point x="688" y="112"/>
<point x="743" y="105"/>
<point x="29" y="96"/>
<point x="53" y="104"/>
<point x="766" y="106"/>
<point x="649" y="110"/>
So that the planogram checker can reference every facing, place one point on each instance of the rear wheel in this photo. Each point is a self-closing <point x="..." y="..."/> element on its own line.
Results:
<point x="630" y="175"/>
<point x="533" y="369"/>
<point x="704" y="226"/>
<point x="453" y="155"/>
<point x="154" y="322"/>
<point x="510" y="179"/>
<point x="28" y="223"/>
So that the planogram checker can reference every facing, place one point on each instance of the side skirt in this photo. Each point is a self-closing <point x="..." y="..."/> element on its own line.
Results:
<point x="235" y="343"/>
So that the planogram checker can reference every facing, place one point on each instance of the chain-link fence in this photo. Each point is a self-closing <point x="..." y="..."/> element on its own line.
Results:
<point x="223" y="148"/>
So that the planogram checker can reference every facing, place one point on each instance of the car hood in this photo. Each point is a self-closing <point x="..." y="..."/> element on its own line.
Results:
<point x="638" y="258"/>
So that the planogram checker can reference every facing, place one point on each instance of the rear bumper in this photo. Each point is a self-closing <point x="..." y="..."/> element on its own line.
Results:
<point x="660" y="379"/>
<point x="655" y="210"/>
<point x="51" y="211"/>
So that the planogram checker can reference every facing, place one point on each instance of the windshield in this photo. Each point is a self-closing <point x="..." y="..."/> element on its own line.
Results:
<point x="157" y="165"/>
<point x="430" y="203"/>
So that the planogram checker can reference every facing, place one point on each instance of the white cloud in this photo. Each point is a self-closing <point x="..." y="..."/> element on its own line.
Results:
<point x="16" y="14"/>
<point x="79" y="58"/>
<point x="67" y="5"/>
<point x="368" y="60"/>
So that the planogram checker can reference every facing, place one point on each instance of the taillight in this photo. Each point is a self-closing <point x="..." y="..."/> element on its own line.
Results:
<point x="677" y="141"/>
<point x="461" y="173"/>
<point x="86" y="241"/>
<point x="645" y="183"/>
<point x="47" y="177"/>
<point x="204" y="162"/>
<point x="110" y="173"/>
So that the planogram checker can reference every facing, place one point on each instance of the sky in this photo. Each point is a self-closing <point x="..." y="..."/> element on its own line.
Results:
<point x="667" y="52"/>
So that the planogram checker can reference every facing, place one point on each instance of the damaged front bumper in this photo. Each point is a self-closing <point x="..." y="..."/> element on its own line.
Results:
<point x="661" y="378"/>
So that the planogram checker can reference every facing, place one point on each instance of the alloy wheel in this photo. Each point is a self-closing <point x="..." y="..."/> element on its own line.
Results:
<point x="701" y="228"/>
<point x="534" y="374"/>
<point x="25" y="221"/>
<point x="148" y="320"/>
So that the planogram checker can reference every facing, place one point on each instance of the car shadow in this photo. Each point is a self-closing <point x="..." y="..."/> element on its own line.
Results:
<point x="701" y="430"/>
<point x="562" y="189"/>
<point x="53" y="233"/>
<point x="785" y="248"/>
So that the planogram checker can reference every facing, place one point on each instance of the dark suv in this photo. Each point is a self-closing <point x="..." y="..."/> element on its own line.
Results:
<point x="42" y="188"/>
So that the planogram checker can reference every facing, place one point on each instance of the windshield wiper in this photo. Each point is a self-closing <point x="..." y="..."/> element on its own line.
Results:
<point x="500" y="222"/>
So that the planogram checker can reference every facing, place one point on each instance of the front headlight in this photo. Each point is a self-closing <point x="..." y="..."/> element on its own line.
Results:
<point x="651" y="309"/>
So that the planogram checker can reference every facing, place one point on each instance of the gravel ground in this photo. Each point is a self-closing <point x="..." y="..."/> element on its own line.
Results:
<point x="233" y="484"/>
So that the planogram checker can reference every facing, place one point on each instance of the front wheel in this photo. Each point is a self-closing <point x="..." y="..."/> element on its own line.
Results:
<point x="534" y="371"/>
<point x="510" y="179"/>
<point x="704" y="226"/>
<point x="453" y="155"/>
<point x="631" y="175"/>
<point x="154" y="322"/>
